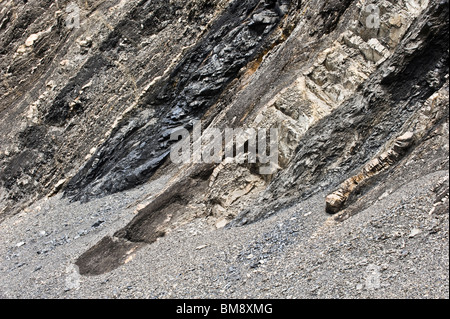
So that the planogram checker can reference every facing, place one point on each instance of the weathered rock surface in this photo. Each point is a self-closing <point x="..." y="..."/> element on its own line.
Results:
<point x="61" y="100"/>
<point x="336" y="201"/>
<point x="357" y="89"/>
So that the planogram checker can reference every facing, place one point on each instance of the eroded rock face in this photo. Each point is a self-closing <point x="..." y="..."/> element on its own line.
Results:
<point x="89" y="111"/>
<point x="386" y="103"/>
<point x="190" y="90"/>
<point x="64" y="95"/>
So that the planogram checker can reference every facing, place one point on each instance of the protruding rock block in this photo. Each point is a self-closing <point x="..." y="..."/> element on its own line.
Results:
<point x="336" y="201"/>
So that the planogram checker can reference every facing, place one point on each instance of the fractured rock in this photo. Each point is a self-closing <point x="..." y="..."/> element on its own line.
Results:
<point x="336" y="201"/>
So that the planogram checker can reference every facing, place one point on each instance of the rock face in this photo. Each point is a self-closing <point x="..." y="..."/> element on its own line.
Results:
<point x="65" y="96"/>
<point x="91" y="92"/>
<point x="189" y="91"/>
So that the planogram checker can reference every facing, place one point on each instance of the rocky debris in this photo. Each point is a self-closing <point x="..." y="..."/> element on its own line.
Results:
<point x="20" y="244"/>
<point x="221" y="223"/>
<point x="414" y="233"/>
<point x="285" y="256"/>
<point x="89" y="111"/>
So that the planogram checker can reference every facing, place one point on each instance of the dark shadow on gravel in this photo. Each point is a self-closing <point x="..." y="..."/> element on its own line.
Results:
<point x="151" y="223"/>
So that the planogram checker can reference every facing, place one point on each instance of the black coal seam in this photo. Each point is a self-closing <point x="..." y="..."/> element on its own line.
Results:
<point x="433" y="55"/>
<point x="212" y="64"/>
<point x="60" y="111"/>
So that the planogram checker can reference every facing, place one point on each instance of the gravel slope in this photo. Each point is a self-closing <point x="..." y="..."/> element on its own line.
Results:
<point x="393" y="249"/>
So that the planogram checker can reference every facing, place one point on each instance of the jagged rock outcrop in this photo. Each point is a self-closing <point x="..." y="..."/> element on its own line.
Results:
<point x="382" y="107"/>
<point x="357" y="90"/>
<point x="335" y="202"/>
<point x="190" y="90"/>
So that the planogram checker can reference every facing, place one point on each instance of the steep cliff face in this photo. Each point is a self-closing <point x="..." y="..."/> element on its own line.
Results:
<point x="385" y="106"/>
<point x="358" y="91"/>
<point x="65" y="88"/>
